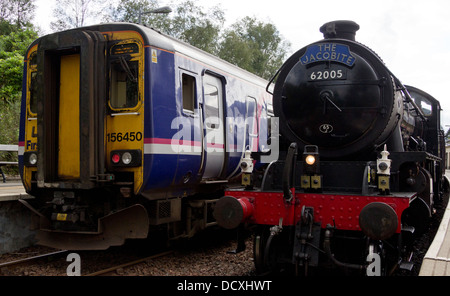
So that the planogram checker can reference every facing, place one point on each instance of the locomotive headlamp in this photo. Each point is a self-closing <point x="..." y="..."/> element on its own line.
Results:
<point x="384" y="171"/>
<point x="310" y="178"/>
<point x="310" y="159"/>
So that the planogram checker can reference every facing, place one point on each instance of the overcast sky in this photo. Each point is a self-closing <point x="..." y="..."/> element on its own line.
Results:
<point x="411" y="36"/>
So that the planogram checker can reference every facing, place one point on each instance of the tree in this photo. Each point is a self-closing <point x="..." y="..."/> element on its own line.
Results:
<point x="75" y="13"/>
<point x="255" y="46"/>
<point x="187" y="22"/>
<point x="16" y="34"/>
<point x="196" y="27"/>
<point x="18" y="12"/>
<point x="128" y="11"/>
<point x="14" y="41"/>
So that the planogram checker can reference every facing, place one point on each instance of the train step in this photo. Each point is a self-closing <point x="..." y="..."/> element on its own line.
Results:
<point x="406" y="266"/>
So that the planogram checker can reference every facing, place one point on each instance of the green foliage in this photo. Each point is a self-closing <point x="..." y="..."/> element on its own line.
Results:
<point x="9" y="118"/>
<point x="249" y="43"/>
<point x="255" y="46"/>
<point x="16" y="34"/>
<point x="196" y="27"/>
<point x="187" y="22"/>
<point x="9" y="132"/>
<point x="13" y="44"/>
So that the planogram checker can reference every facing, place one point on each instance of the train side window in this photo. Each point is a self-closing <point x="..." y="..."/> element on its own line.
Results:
<point x="251" y="121"/>
<point x="124" y="91"/>
<point x="212" y="105"/>
<point x="189" y="92"/>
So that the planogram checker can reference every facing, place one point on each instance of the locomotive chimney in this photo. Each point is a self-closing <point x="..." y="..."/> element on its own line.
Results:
<point x="340" y="29"/>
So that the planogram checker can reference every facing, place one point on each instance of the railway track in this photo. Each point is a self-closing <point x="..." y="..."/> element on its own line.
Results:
<point x="5" y="266"/>
<point x="114" y="269"/>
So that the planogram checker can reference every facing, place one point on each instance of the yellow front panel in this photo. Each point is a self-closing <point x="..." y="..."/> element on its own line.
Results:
<point x="125" y="125"/>
<point x="69" y="118"/>
<point x="31" y="118"/>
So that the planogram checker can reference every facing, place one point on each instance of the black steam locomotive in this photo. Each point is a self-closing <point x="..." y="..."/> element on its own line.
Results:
<point x="361" y="168"/>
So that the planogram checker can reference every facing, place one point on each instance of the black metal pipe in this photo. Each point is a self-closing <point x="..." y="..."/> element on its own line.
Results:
<point x="289" y="171"/>
<point x="327" y="247"/>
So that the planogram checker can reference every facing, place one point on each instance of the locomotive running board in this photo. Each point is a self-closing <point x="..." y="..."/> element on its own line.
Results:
<point x="113" y="230"/>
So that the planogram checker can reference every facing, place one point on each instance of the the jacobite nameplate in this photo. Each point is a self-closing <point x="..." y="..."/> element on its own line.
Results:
<point x="328" y="52"/>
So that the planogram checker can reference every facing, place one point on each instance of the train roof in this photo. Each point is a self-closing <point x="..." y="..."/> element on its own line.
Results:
<point x="155" y="38"/>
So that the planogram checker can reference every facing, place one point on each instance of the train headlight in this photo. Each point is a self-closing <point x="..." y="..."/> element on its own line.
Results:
<point x="126" y="158"/>
<point x="33" y="159"/>
<point x="310" y="159"/>
<point x="30" y="158"/>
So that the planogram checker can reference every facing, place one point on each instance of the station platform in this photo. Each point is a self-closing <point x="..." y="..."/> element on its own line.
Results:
<point x="437" y="259"/>
<point x="12" y="191"/>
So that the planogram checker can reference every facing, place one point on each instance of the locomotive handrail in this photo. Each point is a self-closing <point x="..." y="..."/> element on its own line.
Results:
<point x="272" y="79"/>
<point x="408" y="96"/>
<point x="288" y="171"/>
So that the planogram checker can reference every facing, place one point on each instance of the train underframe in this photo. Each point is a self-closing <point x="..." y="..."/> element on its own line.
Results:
<point x="313" y="231"/>
<point x="97" y="219"/>
<point x="346" y="216"/>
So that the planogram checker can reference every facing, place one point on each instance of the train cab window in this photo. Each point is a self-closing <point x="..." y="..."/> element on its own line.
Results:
<point x="189" y="92"/>
<point x="426" y="107"/>
<point x="124" y="91"/>
<point x="33" y="102"/>
<point x="32" y="84"/>
<point x="423" y="103"/>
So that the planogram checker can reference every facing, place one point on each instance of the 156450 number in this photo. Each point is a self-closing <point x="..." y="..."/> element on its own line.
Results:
<point x="121" y="137"/>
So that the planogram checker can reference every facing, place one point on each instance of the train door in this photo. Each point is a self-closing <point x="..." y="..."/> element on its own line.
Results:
<point x="70" y="73"/>
<point x="69" y="118"/>
<point x="213" y="122"/>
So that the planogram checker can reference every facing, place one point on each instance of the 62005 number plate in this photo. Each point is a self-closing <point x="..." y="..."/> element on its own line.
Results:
<point x="327" y="75"/>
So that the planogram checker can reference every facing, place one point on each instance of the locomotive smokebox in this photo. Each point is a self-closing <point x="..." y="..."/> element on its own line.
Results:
<point x="338" y="95"/>
<point x="340" y="29"/>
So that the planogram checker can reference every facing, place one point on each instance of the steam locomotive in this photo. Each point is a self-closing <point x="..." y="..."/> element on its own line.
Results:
<point x="361" y="168"/>
<point x="127" y="133"/>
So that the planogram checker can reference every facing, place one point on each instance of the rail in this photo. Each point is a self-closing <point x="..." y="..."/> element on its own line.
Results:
<point x="7" y="148"/>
